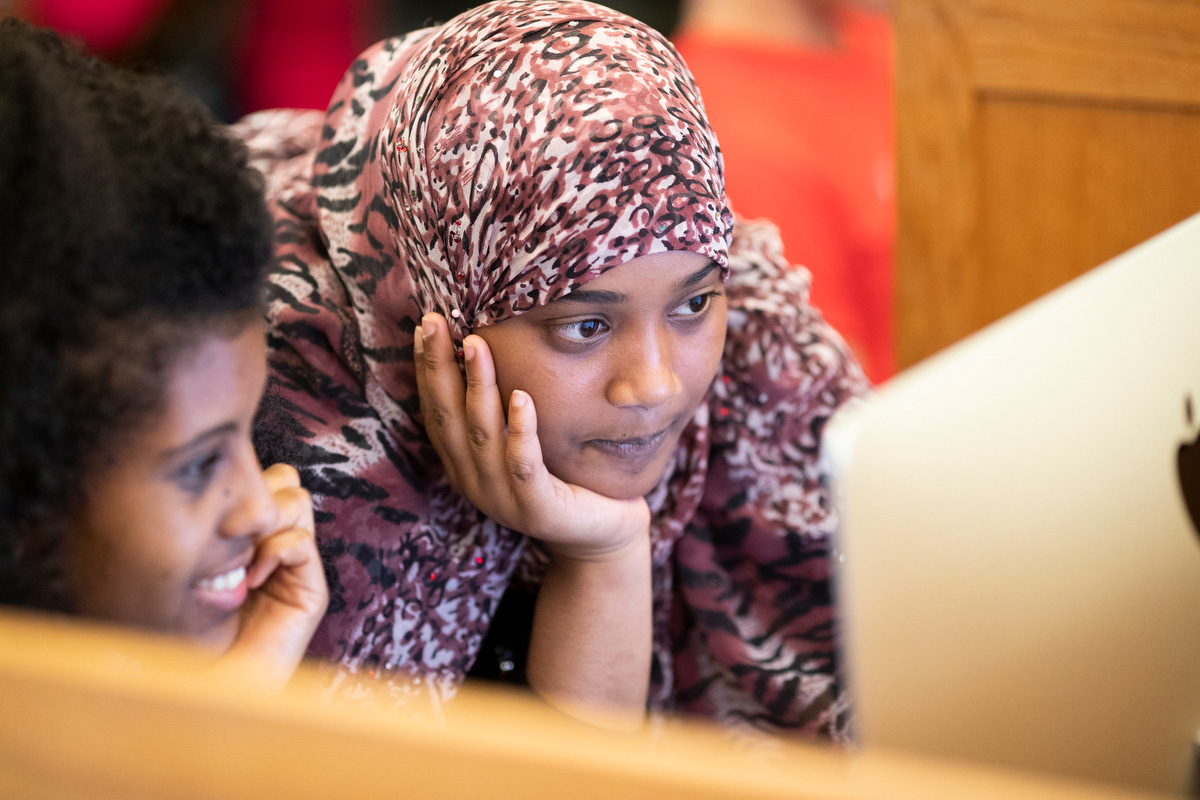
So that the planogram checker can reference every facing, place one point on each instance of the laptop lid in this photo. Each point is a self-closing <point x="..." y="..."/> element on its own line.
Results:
<point x="1019" y="576"/>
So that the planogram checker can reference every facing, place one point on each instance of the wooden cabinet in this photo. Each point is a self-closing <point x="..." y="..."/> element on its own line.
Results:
<point x="1035" y="140"/>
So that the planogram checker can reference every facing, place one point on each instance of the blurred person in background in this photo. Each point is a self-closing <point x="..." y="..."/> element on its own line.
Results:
<point x="800" y="94"/>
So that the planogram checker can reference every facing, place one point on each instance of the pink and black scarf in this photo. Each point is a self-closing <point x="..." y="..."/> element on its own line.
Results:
<point x="483" y="168"/>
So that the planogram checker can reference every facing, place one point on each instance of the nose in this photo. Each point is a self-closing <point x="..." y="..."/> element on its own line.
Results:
<point x="251" y="514"/>
<point x="645" y="375"/>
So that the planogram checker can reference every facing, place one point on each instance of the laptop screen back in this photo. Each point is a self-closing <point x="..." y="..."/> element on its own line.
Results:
<point x="1019" y="576"/>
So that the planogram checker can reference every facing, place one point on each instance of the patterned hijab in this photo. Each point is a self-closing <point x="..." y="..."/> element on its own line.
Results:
<point x="480" y="169"/>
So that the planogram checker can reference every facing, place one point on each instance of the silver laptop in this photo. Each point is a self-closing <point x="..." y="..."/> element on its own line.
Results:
<point x="1019" y="561"/>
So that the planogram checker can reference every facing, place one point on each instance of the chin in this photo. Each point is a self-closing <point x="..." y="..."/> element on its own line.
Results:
<point x="623" y="490"/>
<point x="219" y="637"/>
<point x="616" y="483"/>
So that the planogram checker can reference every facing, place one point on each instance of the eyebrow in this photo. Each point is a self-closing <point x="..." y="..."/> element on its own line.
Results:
<point x="601" y="297"/>
<point x="212" y="433"/>
<point x="699" y="275"/>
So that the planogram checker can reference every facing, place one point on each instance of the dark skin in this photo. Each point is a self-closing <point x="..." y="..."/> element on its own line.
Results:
<point x="615" y="374"/>
<point x="183" y="533"/>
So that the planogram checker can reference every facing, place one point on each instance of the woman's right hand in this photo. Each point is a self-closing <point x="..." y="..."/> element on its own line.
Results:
<point x="497" y="463"/>
<point x="589" y="651"/>
<point x="288" y="594"/>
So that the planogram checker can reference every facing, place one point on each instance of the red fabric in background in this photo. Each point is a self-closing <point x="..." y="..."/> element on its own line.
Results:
<point x="107" y="26"/>
<point x="295" y="51"/>
<point x="809" y="144"/>
<point x="287" y="53"/>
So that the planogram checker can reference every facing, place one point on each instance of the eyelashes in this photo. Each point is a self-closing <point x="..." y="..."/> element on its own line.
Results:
<point x="581" y="331"/>
<point x="697" y="305"/>
<point x="195" y="475"/>
<point x="585" y="331"/>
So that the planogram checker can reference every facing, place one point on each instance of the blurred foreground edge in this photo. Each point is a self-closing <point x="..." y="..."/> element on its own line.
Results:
<point x="89" y="712"/>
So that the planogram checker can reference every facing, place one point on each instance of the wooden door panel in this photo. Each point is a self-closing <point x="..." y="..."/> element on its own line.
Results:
<point x="1035" y="140"/>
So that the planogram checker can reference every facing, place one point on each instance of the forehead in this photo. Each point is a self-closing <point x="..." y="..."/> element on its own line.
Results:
<point x="219" y="378"/>
<point x="651" y="272"/>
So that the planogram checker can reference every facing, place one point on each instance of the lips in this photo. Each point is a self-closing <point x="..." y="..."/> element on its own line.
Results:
<point x="633" y="447"/>
<point x="226" y="591"/>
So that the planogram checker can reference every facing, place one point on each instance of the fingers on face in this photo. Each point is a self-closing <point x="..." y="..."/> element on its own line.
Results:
<point x="523" y="457"/>
<point x="289" y="540"/>
<point x="280" y="476"/>
<point x="466" y="424"/>
<point x="294" y="510"/>
<point x="484" y="411"/>
<point x="293" y="549"/>
<point x="441" y="390"/>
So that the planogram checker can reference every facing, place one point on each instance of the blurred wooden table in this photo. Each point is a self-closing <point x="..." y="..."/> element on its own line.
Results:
<point x="90" y="713"/>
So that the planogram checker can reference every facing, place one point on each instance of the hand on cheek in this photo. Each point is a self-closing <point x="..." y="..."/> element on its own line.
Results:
<point x="289" y="544"/>
<point x="497" y="462"/>
<point x="288" y="592"/>
<point x="589" y="651"/>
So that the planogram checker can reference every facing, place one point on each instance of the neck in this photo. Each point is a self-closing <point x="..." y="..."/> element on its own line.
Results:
<point x="808" y="23"/>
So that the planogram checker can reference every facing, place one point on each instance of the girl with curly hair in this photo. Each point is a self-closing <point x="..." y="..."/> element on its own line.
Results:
<point x="133" y="240"/>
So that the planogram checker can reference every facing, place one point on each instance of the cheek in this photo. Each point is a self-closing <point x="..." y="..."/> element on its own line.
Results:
<point x="134" y="562"/>
<point x="566" y="395"/>
<point x="563" y="395"/>
<point x="702" y="359"/>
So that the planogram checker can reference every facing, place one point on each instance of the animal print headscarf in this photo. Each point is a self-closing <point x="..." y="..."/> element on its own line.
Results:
<point x="480" y="169"/>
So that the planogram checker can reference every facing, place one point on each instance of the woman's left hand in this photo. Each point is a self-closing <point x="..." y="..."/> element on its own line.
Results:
<point x="497" y="463"/>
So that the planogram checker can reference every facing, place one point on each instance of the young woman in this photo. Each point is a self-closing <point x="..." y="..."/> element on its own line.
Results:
<point x="531" y="192"/>
<point x="132" y="363"/>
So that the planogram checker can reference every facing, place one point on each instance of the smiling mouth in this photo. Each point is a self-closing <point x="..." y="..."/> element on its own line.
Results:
<point x="633" y="448"/>
<point x="226" y="591"/>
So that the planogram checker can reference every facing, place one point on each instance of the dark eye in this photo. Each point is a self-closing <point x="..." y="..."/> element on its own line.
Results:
<point x="583" y="330"/>
<point x="696" y="305"/>
<point x="195" y="475"/>
<point x="589" y="328"/>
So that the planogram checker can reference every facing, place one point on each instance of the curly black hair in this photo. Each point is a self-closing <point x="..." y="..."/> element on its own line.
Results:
<point x="129" y="222"/>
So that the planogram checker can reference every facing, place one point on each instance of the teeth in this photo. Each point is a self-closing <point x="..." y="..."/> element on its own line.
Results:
<point x="225" y="582"/>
